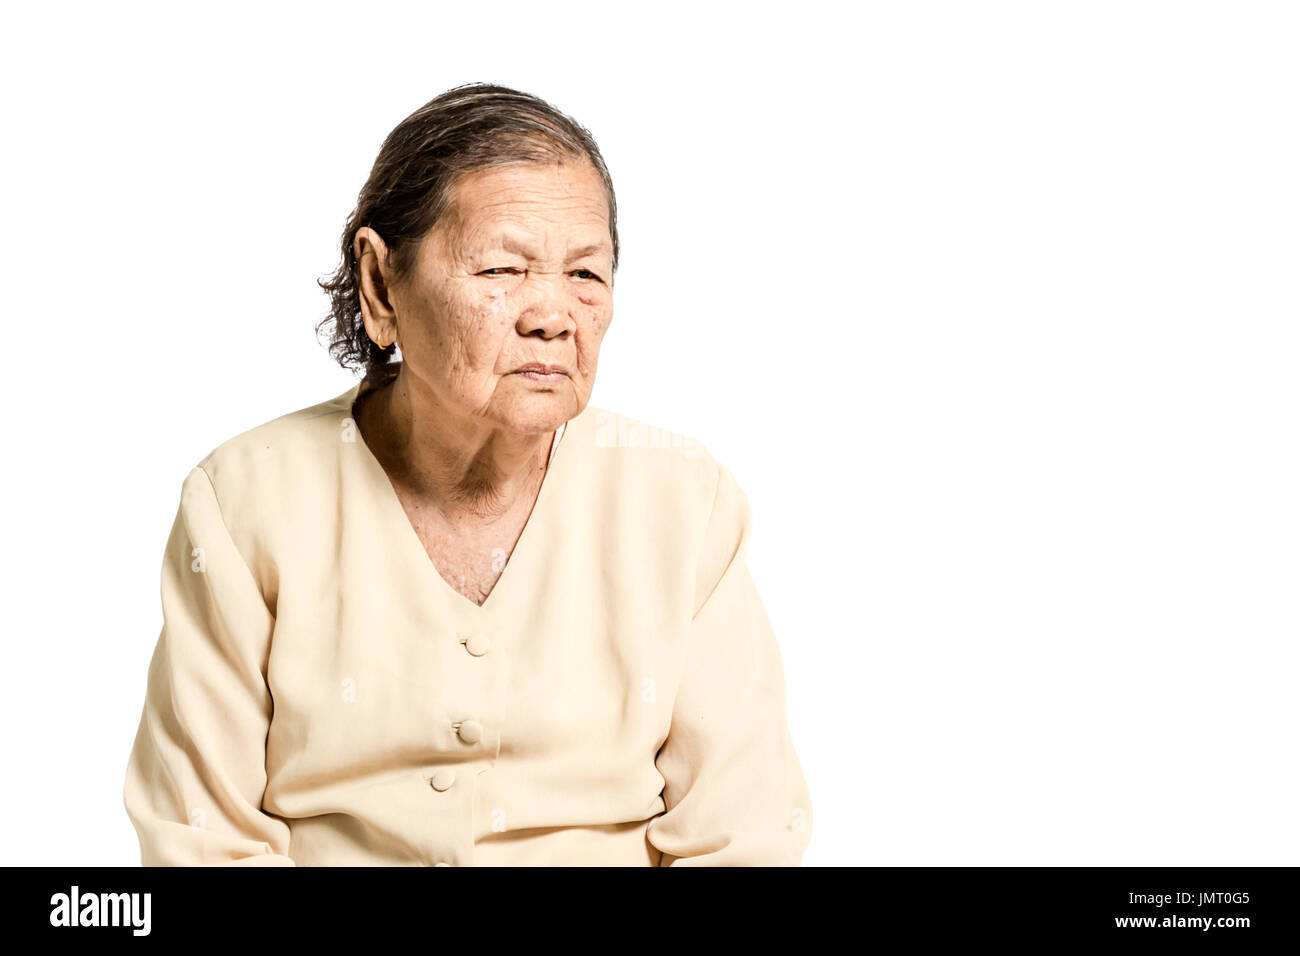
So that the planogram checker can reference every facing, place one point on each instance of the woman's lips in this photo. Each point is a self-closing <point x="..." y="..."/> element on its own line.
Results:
<point x="542" y="373"/>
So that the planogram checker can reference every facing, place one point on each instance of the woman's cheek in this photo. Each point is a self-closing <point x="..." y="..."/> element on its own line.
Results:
<point x="589" y="340"/>
<point x="600" y="320"/>
<point x="494" y="310"/>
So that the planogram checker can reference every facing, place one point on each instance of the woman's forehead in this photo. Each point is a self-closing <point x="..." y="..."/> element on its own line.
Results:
<point x="535" y="210"/>
<point x="534" y="229"/>
<point x="522" y="190"/>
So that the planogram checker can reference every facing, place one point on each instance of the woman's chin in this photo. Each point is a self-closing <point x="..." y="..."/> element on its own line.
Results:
<point x="540" y="411"/>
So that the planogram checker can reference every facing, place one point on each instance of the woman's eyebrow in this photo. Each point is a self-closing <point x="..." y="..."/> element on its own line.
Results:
<point x="522" y="247"/>
<point x="589" y="250"/>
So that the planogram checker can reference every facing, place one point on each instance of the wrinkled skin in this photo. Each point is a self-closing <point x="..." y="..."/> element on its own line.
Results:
<point x="519" y="272"/>
<point x="494" y="287"/>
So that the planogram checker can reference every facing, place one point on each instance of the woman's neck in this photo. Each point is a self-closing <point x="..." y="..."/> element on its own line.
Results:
<point x="472" y="471"/>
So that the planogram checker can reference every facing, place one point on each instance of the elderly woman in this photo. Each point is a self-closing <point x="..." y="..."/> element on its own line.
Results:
<point x="456" y="616"/>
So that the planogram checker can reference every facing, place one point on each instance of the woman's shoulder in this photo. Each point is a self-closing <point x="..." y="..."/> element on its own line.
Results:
<point x="664" y="486"/>
<point x="630" y="454"/>
<point x="282" y="448"/>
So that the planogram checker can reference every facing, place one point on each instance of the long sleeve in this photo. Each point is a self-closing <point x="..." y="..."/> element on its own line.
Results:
<point x="734" y="792"/>
<point x="197" y="770"/>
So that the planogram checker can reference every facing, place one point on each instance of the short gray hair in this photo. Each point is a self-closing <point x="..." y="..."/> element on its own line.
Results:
<point x="467" y="128"/>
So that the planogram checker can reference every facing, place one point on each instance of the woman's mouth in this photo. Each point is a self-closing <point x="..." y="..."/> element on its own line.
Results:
<point x="537" y="372"/>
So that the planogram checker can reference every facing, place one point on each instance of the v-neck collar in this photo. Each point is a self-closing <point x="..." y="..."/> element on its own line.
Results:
<point x="526" y="551"/>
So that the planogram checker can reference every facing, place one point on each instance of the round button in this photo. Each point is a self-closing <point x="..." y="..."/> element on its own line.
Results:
<point x="471" y="731"/>
<point x="478" y="645"/>
<point x="443" y="779"/>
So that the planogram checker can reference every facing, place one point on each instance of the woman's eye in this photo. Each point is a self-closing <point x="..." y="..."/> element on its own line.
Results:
<point x="499" y="270"/>
<point x="585" y="274"/>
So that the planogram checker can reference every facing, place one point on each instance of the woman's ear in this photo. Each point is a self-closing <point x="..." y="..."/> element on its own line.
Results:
<point x="373" y="288"/>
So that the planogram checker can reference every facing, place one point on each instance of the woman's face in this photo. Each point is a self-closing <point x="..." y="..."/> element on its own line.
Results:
<point x="516" y="275"/>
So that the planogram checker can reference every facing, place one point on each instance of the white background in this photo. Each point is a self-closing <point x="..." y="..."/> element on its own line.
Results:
<point x="991" y="308"/>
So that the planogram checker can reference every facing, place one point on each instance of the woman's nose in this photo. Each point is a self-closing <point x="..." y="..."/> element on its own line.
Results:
<point x="547" y="309"/>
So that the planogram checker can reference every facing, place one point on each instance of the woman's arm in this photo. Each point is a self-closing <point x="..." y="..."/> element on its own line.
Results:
<point x="197" y="770"/>
<point x="734" y="790"/>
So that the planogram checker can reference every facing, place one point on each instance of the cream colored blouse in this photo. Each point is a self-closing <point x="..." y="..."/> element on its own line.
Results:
<point x="320" y="696"/>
